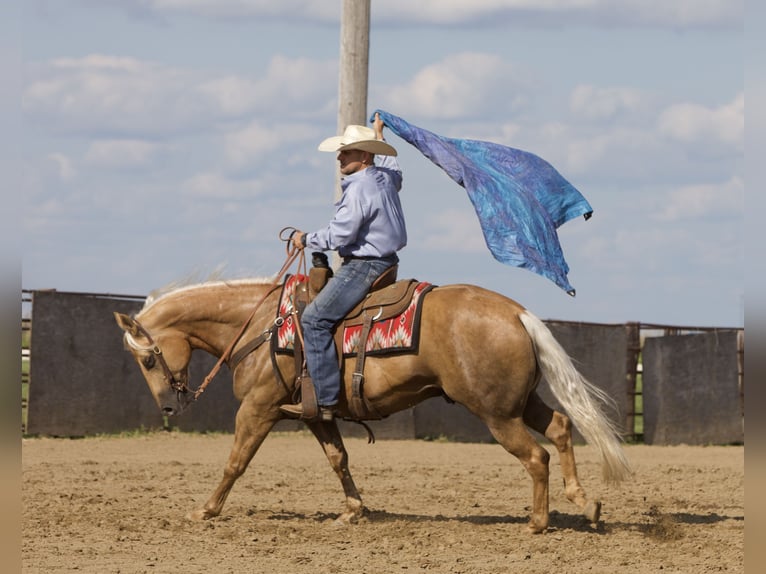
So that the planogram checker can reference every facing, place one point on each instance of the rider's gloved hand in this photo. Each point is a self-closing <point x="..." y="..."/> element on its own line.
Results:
<point x="299" y="239"/>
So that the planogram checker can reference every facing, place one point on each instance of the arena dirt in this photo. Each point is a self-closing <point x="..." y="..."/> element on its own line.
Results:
<point x="118" y="505"/>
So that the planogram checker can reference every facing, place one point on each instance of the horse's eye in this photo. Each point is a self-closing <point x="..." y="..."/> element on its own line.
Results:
<point x="148" y="361"/>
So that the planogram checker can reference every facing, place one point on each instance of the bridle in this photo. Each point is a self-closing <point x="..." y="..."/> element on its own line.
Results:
<point x="181" y="386"/>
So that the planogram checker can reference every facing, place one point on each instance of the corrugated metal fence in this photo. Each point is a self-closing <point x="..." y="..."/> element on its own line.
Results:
<point x="670" y="384"/>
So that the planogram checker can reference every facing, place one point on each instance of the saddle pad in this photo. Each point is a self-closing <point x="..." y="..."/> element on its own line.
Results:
<point x="399" y="334"/>
<point x="286" y="331"/>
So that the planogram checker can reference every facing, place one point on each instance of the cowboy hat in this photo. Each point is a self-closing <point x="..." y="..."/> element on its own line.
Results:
<point x="357" y="137"/>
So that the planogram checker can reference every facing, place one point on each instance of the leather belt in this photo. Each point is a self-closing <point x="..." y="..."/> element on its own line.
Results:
<point x="393" y="258"/>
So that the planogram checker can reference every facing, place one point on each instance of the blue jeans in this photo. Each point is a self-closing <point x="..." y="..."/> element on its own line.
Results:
<point x="349" y="285"/>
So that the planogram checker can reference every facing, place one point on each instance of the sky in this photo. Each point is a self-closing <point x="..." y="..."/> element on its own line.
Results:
<point x="171" y="140"/>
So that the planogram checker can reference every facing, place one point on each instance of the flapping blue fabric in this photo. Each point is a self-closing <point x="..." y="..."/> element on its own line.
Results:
<point x="520" y="198"/>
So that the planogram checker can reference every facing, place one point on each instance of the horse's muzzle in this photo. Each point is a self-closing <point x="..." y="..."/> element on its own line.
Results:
<point x="175" y="407"/>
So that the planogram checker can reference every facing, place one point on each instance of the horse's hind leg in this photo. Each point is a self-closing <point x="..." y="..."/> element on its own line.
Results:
<point x="516" y="439"/>
<point x="557" y="428"/>
<point x="329" y="437"/>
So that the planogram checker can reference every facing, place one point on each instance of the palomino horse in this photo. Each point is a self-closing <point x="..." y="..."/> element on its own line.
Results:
<point x="478" y="348"/>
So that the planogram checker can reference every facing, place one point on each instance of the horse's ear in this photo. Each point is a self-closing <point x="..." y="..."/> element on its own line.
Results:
<point x="126" y="323"/>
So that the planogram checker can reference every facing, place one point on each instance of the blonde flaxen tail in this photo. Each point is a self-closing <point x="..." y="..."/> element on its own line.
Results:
<point x="582" y="401"/>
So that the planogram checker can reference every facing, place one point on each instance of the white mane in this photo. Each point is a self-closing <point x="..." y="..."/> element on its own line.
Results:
<point x="179" y="287"/>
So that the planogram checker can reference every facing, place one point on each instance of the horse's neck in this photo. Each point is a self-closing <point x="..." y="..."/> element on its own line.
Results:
<point x="211" y="316"/>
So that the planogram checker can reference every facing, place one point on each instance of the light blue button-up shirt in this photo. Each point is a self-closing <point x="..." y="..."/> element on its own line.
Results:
<point x="368" y="221"/>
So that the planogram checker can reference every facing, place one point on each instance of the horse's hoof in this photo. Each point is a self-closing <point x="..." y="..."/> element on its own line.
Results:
<point x="199" y="515"/>
<point x="348" y="518"/>
<point x="536" y="528"/>
<point x="593" y="511"/>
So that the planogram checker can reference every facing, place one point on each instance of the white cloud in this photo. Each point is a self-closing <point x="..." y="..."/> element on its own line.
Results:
<point x="299" y="87"/>
<point x="675" y="13"/>
<point x="694" y="123"/>
<point x="122" y="154"/>
<point x="612" y="152"/>
<point x="629" y="13"/>
<point x="701" y="201"/>
<point x="64" y="167"/>
<point x="249" y="146"/>
<point x="107" y="95"/>
<point x="461" y="85"/>
<point x="232" y="95"/>
<point x="214" y="185"/>
<point x="596" y="103"/>
<point x="453" y="230"/>
<point x="622" y="135"/>
<point x="304" y="9"/>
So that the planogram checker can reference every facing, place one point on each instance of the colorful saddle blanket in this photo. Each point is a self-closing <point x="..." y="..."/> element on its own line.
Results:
<point x="398" y="334"/>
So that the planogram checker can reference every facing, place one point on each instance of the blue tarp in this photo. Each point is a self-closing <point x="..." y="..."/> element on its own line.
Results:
<point x="520" y="198"/>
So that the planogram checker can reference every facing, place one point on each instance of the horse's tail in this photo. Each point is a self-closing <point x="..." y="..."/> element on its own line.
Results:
<point x="581" y="400"/>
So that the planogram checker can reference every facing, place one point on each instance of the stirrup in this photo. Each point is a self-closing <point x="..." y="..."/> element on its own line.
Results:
<point x="324" y="414"/>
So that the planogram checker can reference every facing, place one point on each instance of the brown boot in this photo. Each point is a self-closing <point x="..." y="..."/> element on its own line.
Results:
<point x="325" y="414"/>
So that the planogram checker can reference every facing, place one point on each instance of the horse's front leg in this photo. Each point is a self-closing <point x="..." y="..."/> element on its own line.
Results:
<point x="329" y="437"/>
<point x="250" y="431"/>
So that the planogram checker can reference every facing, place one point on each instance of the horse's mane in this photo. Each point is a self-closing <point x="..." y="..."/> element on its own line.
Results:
<point x="191" y="284"/>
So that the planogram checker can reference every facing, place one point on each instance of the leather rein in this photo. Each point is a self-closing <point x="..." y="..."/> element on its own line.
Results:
<point x="181" y="386"/>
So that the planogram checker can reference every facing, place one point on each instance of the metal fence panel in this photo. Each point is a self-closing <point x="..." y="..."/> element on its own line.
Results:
<point x="691" y="390"/>
<point x="599" y="352"/>
<point x="83" y="382"/>
<point x="436" y="418"/>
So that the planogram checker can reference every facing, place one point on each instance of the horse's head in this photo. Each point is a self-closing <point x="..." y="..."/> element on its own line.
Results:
<point x="164" y="360"/>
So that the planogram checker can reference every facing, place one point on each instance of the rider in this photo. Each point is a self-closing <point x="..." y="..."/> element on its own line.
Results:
<point x="367" y="230"/>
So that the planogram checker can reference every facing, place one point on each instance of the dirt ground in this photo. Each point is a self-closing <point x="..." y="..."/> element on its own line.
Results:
<point x="118" y="505"/>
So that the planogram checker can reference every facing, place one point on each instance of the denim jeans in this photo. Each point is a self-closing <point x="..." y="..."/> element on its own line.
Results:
<point x="352" y="281"/>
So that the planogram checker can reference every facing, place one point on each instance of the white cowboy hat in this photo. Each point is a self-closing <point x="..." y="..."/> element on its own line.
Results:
<point x="357" y="137"/>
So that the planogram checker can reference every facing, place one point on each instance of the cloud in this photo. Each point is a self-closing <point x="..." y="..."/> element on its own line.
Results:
<point x="694" y="123"/>
<point x="459" y="86"/>
<point x="107" y="95"/>
<point x="453" y="230"/>
<point x="300" y="87"/>
<point x="617" y="134"/>
<point x="499" y="13"/>
<point x="64" y="167"/>
<point x="600" y="104"/>
<point x="122" y="154"/>
<point x="251" y="145"/>
<point x="233" y="9"/>
<point x="599" y="13"/>
<point x="702" y="201"/>
<point x="214" y="185"/>
<point x="123" y="98"/>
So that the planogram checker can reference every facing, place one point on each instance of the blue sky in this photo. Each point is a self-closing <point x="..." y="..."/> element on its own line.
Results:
<point x="164" y="139"/>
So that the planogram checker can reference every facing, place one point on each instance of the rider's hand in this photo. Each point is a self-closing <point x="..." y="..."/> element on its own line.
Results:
<point x="299" y="239"/>
<point x="378" y="126"/>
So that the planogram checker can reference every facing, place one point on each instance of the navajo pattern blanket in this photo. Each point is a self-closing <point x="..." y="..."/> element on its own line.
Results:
<point x="399" y="334"/>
